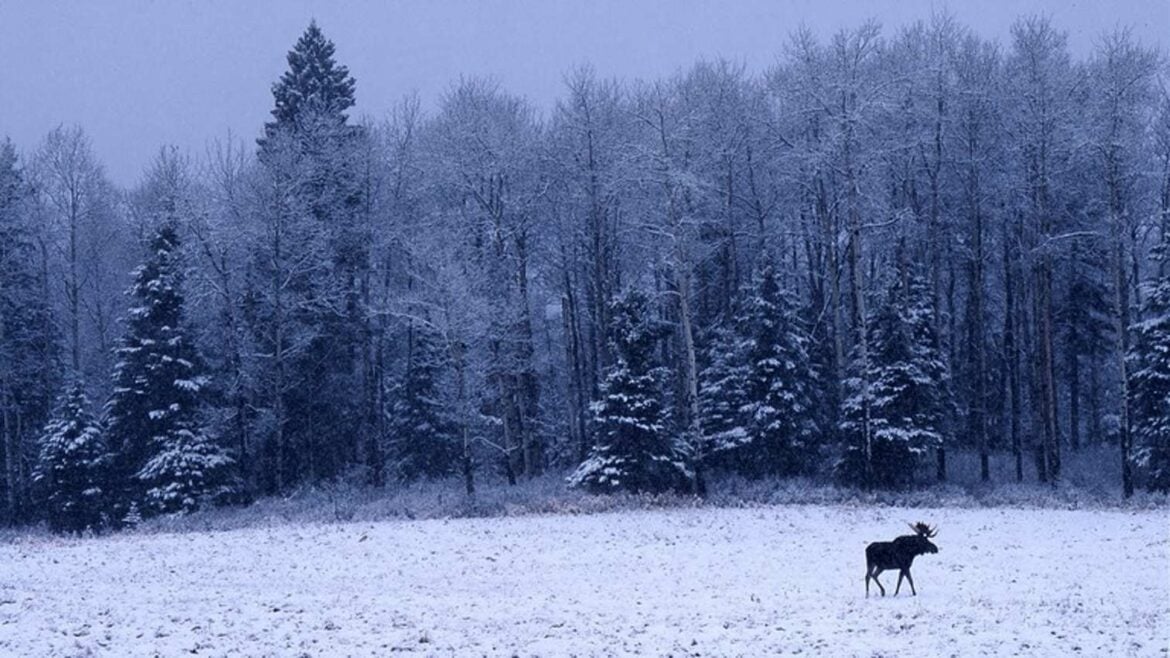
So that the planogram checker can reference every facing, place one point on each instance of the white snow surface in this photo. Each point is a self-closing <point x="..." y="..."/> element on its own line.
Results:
<point x="695" y="582"/>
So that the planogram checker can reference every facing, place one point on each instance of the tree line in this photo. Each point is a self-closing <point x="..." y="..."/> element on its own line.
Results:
<point x="880" y="251"/>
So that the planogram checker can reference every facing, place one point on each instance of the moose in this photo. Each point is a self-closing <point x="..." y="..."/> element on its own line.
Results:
<point x="898" y="554"/>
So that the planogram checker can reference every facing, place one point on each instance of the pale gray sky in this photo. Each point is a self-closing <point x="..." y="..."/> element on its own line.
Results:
<point x="137" y="74"/>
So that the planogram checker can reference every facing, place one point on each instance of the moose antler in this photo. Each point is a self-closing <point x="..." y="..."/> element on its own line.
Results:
<point x="924" y="530"/>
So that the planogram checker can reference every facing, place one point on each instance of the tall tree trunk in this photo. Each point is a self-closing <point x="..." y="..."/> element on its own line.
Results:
<point x="688" y="338"/>
<point x="457" y="356"/>
<point x="1121" y="311"/>
<point x="1048" y="375"/>
<point x="1094" y="407"/>
<point x="857" y="303"/>
<point x="1073" y="365"/>
<point x="600" y="290"/>
<point x="836" y="305"/>
<point x="73" y="294"/>
<point x="979" y="407"/>
<point x="573" y="358"/>
<point x="935" y="247"/>
<point x="373" y="376"/>
<point x="681" y="269"/>
<point x="730" y="273"/>
<point x="283" y="452"/>
<point x="1012" y="356"/>
<point x="12" y="451"/>
<point x="526" y="395"/>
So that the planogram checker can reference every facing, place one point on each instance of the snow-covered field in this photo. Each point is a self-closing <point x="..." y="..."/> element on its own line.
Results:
<point x="704" y="582"/>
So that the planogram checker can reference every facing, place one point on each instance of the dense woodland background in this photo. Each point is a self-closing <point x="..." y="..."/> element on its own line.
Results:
<point x="887" y="249"/>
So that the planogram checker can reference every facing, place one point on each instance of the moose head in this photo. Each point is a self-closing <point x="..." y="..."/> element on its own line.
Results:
<point x="921" y="538"/>
<point x="898" y="554"/>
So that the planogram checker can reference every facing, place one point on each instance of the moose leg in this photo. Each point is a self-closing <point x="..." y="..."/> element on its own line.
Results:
<point x="911" y="583"/>
<point x="879" y="583"/>
<point x="901" y="574"/>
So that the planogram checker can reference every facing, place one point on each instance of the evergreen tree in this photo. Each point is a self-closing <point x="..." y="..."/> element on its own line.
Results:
<point x="894" y="400"/>
<point x="633" y="450"/>
<point x="28" y="338"/>
<point x="71" y="468"/>
<point x="722" y="396"/>
<point x="1150" y="382"/>
<point x="779" y="383"/>
<point x="310" y="101"/>
<point x="314" y="86"/>
<point x="424" y="442"/>
<point x="757" y="392"/>
<point x="165" y="461"/>
<point x="310" y="149"/>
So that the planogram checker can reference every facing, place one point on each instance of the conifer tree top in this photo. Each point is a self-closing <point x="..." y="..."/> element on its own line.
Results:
<point x="633" y="332"/>
<point x="158" y="283"/>
<point x="73" y="408"/>
<point x="313" y="81"/>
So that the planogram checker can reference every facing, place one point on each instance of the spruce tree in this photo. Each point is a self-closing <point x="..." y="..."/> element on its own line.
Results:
<point x="898" y="393"/>
<point x="72" y="466"/>
<point x="310" y="101"/>
<point x="310" y="149"/>
<point x="1150" y="382"/>
<point x="424" y="441"/>
<point x="165" y="460"/>
<point x="779" y="415"/>
<point x="722" y="396"/>
<point x="757" y="393"/>
<point x="28" y="338"/>
<point x="314" y="86"/>
<point x="634" y="451"/>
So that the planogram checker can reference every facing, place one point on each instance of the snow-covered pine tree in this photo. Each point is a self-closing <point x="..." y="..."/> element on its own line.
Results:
<point x="311" y="149"/>
<point x="310" y="101"/>
<point x="933" y="408"/>
<point x="1150" y="382"/>
<point x="900" y="391"/>
<point x="72" y="466"/>
<point x="779" y="383"/>
<point x="634" y="451"/>
<point x="722" y="397"/>
<point x="313" y="84"/>
<point x="28" y="339"/>
<point x="424" y="442"/>
<point x="164" y="459"/>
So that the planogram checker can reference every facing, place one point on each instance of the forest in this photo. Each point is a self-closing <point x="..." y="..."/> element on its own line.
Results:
<point x="892" y="247"/>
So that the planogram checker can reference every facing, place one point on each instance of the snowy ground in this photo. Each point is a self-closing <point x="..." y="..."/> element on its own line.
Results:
<point x="709" y="582"/>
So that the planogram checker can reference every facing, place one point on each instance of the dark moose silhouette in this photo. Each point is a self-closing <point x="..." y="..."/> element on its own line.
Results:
<point x="898" y="554"/>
